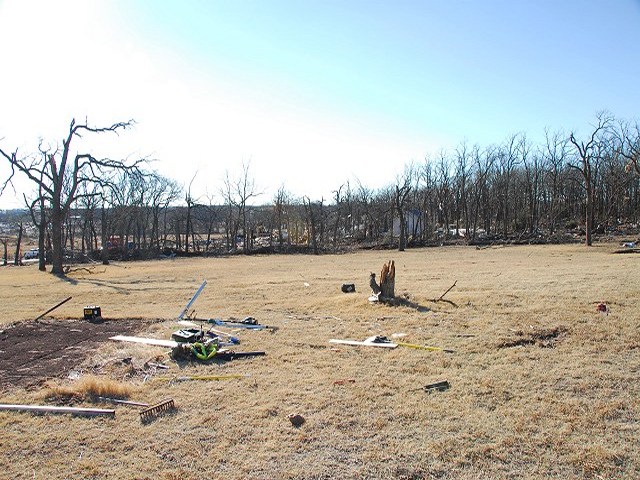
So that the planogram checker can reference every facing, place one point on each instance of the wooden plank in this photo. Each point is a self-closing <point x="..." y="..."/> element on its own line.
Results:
<point x="366" y="343"/>
<point x="187" y="323"/>
<point x="193" y="299"/>
<point x="52" y="409"/>
<point x="146" y="341"/>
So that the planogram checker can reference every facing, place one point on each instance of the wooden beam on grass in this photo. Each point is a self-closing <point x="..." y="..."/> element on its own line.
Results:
<point x="87" y="412"/>
<point x="146" y="341"/>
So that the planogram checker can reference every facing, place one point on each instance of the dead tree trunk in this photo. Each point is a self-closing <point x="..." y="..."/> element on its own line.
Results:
<point x="17" y="260"/>
<point x="388" y="280"/>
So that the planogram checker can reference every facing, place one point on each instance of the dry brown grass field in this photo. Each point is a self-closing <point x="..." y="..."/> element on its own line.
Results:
<point x="542" y="385"/>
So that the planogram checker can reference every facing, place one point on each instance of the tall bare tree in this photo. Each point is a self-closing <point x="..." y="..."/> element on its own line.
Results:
<point x="402" y="189"/>
<point x="61" y="171"/>
<point x="587" y="154"/>
<point x="628" y="140"/>
<point x="281" y="202"/>
<point x="237" y="193"/>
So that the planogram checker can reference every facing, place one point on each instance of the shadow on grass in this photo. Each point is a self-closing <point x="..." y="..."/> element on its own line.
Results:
<point x="64" y="278"/>
<point x="405" y="301"/>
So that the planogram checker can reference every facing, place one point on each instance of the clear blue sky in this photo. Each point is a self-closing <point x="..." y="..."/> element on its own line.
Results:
<point x="313" y="93"/>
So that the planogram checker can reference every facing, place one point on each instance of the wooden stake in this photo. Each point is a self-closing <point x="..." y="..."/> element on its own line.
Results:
<point x="53" y="308"/>
<point x="448" y="290"/>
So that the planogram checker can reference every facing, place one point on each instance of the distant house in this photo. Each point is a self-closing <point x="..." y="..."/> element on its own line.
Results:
<point x="414" y="223"/>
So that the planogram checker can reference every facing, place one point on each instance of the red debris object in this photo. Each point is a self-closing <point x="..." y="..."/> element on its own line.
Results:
<point x="602" y="307"/>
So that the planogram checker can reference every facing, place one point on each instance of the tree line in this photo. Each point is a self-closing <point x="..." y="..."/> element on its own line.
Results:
<point x="564" y="187"/>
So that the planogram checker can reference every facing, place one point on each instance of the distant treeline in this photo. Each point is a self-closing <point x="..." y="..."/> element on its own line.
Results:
<point x="516" y="190"/>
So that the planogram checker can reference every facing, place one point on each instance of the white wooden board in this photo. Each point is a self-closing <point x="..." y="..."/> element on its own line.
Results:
<point x="146" y="341"/>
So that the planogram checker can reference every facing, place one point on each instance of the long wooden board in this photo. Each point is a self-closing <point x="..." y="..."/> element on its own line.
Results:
<point x="52" y="409"/>
<point x="146" y="341"/>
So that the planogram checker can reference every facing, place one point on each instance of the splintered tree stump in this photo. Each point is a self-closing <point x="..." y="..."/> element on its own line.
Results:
<point x="388" y="281"/>
<point x="384" y="291"/>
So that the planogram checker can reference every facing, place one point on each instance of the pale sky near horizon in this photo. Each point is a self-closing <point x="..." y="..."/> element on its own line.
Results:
<point x="311" y="93"/>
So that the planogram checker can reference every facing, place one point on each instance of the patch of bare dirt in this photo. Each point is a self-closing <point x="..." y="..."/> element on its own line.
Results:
<point x="32" y="352"/>
<point x="545" y="338"/>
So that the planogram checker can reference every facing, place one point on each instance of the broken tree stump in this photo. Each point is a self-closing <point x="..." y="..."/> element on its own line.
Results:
<point x="388" y="281"/>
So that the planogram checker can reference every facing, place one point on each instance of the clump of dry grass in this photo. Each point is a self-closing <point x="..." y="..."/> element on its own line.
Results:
<point x="88" y="387"/>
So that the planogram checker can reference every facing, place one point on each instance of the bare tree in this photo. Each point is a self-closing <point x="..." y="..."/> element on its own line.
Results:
<point x="281" y="202"/>
<point x="402" y="188"/>
<point x="628" y="140"/>
<point x="190" y="204"/>
<point x="443" y="191"/>
<point x="237" y="193"/>
<point x="60" y="172"/>
<point x="508" y="161"/>
<point x="4" y="242"/>
<point x="313" y="222"/>
<point x="462" y="172"/>
<point x="554" y="157"/>
<point x="587" y="155"/>
<point x="17" y="259"/>
<point x="39" y="219"/>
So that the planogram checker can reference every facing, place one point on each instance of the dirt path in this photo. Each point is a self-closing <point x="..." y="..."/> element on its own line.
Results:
<point x="31" y="352"/>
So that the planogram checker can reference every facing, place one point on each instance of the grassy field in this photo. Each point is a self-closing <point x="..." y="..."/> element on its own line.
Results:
<point x="542" y="384"/>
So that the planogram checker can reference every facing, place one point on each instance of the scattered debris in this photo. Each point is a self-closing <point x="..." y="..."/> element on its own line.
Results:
<point x="375" y="341"/>
<point x="53" y="308"/>
<point x="122" y="402"/>
<point x="248" y="323"/>
<point x="437" y="387"/>
<point x="348" y="288"/>
<point x="219" y="333"/>
<point x="158" y="365"/>
<point x="603" y="308"/>
<point x="87" y="412"/>
<point x="186" y="378"/>
<point x="344" y="381"/>
<point x="92" y="313"/>
<point x="190" y="335"/>
<point x="296" y="419"/>
<point x="151" y="412"/>
<point x="208" y="350"/>
<point x="628" y="249"/>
